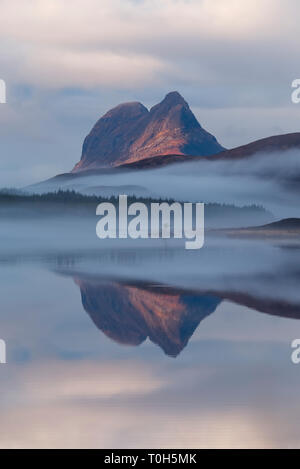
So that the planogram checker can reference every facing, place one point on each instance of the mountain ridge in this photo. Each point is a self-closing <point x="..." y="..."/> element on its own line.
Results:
<point x="282" y="142"/>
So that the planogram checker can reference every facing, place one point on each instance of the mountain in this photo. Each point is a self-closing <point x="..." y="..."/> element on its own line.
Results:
<point x="130" y="133"/>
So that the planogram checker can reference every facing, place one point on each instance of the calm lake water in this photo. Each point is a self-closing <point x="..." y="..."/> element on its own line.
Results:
<point x="136" y="345"/>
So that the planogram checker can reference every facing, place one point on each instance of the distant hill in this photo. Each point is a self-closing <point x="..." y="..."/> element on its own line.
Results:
<point x="290" y="224"/>
<point x="266" y="145"/>
<point x="286" y="228"/>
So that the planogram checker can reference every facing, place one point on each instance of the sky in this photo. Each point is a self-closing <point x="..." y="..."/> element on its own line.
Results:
<point x="66" y="62"/>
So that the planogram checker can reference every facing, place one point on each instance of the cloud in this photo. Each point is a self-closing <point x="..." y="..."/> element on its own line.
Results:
<point x="68" y="68"/>
<point x="126" y="43"/>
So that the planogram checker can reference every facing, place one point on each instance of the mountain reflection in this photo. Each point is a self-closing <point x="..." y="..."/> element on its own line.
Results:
<point x="131" y="313"/>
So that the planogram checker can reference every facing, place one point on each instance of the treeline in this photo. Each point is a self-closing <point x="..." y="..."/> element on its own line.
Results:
<point x="67" y="197"/>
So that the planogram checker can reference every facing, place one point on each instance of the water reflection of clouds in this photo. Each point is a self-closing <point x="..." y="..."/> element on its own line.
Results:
<point x="118" y="404"/>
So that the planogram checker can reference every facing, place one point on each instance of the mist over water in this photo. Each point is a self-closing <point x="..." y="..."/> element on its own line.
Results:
<point x="270" y="180"/>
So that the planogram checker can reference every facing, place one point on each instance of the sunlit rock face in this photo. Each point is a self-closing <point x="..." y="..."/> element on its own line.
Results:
<point x="130" y="133"/>
<point x="130" y="314"/>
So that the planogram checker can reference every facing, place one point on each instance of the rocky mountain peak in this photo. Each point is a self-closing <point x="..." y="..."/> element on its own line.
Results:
<point x="129" y="133"/>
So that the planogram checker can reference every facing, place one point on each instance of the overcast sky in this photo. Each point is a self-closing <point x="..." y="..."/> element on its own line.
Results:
<point x="66" y="62"/>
